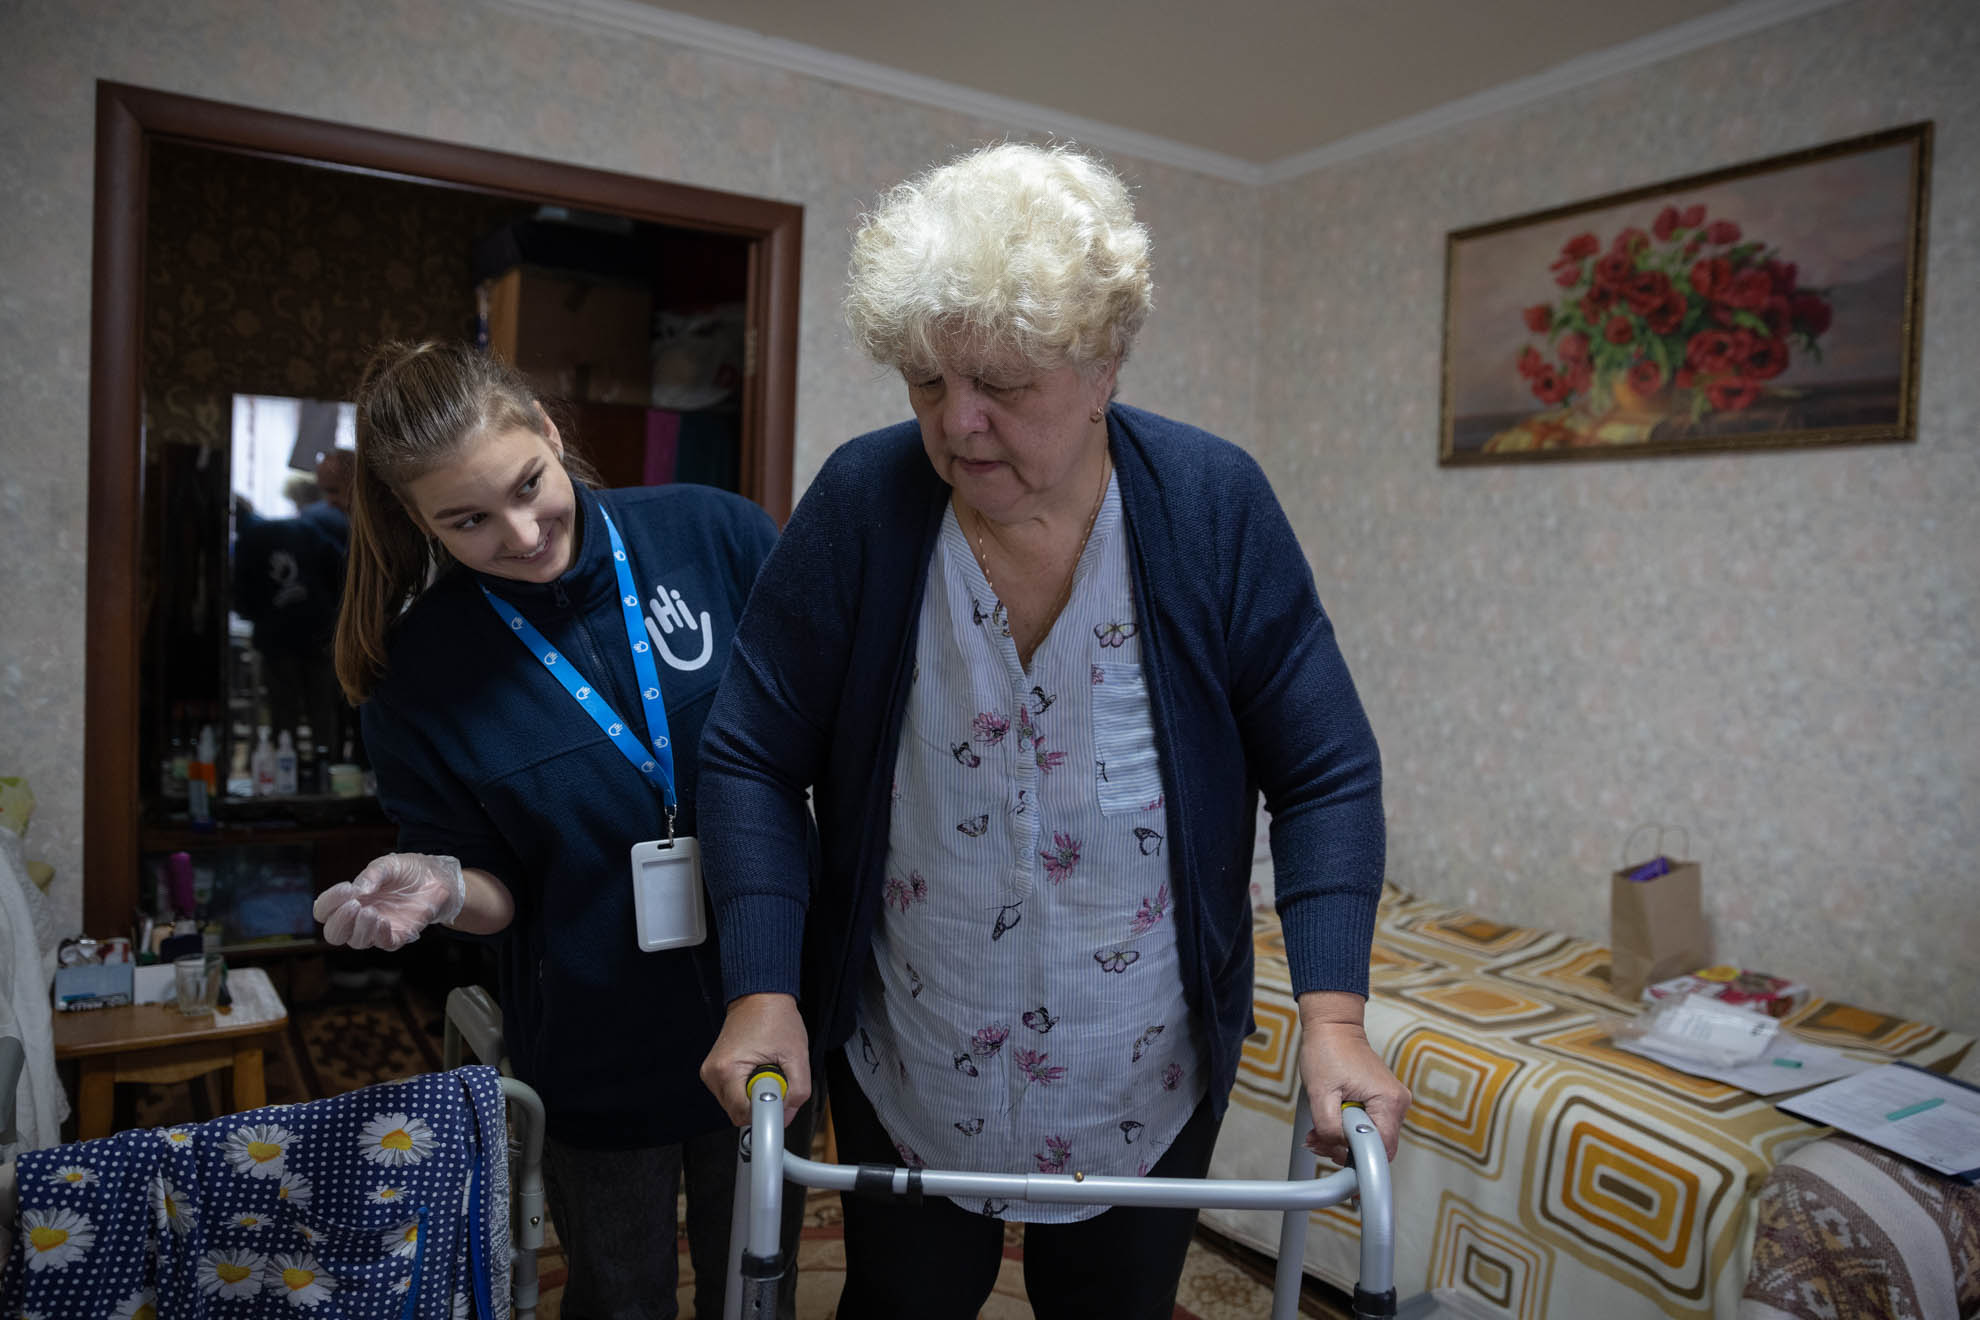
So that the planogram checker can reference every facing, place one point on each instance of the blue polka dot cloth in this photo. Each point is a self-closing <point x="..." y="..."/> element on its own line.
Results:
<point x="389" y="1203"/>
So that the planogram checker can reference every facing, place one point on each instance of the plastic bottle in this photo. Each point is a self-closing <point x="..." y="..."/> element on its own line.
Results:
<point x="180" y="884"/>
<point x="181" y="759"/>
<point x="285" y="765"/>
<point x="306" y="779"/>
<point x="262" y="764"/>
<point x="174" y="758"/>
<point x="240" y="763"/>
<point x="200" y="778"/>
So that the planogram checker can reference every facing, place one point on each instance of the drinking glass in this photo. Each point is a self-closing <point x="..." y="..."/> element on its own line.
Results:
<point x="196" y="978"/>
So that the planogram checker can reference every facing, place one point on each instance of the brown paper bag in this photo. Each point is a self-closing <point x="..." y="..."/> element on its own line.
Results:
<point x="1656" y="927"/>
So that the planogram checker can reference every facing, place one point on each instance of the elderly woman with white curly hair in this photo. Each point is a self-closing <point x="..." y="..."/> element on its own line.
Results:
<point x="1033" y="656"/>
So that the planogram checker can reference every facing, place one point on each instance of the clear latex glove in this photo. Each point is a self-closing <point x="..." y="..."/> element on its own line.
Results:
<point x="392" y="900"/>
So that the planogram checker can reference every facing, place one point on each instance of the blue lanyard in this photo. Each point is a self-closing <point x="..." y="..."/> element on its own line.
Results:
<point x="656" y="762"/>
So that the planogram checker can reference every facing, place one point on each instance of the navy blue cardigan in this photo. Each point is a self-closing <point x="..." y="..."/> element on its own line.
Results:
<point x="483" y="756"/>
<point x="1246" y="686"/>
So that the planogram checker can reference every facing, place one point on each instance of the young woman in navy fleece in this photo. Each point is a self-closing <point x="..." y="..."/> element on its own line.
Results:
<point x="478" y="543"/>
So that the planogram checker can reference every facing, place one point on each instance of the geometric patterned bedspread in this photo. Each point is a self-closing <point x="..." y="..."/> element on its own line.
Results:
<point x="1540" y="1168"/>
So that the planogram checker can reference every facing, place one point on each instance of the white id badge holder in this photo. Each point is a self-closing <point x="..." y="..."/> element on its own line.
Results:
<point x="667" y="906"/>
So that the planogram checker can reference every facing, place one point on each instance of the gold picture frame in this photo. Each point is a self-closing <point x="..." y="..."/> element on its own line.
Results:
<point x="1770" y="304"/>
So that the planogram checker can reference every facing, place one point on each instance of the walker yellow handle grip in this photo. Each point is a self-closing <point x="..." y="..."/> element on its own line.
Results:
<point x="783" y="1087"/>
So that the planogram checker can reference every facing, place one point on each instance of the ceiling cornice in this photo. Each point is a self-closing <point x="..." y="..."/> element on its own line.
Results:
<point x="1680" y="39"/>
<point x="633" y="18"/>
<point x="627" y="16"/>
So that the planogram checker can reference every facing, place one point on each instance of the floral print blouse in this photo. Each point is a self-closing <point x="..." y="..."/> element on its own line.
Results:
<point x="1023" y="1010"/>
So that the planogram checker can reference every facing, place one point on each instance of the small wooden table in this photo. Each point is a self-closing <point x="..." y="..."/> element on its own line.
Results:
<point x="156" y="1043"/>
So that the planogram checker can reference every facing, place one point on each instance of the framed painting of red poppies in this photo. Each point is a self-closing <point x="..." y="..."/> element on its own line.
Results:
<point x="1770" y="304"/>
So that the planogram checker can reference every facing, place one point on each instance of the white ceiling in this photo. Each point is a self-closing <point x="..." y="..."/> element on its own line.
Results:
<point x="1243" y="88"/>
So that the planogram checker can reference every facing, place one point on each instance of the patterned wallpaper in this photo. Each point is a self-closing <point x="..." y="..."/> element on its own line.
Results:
<point x="466" y="72"/>
<point x="1776" y="651"/>
<point x="265" y="277"/>
<point x="1767" y="649"/>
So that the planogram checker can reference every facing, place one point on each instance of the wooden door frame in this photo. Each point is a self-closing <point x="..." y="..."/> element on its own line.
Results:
<point x="128" y="120"/>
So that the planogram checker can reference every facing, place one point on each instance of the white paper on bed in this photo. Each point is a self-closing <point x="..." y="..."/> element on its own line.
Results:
<point x="1787" y="1065"/>
<point x="1908" y="1111"/>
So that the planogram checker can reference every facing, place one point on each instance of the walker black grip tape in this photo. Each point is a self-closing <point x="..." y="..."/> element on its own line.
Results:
<point x="874" y="1180"/>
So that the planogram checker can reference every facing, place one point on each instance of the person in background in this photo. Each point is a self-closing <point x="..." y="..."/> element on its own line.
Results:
<point x="330" y="512"/>
<point x="335" y="471"/>
<point x="288" y="582"/>
<point x="1033" y="655"/>
<point x="529" y="724"/>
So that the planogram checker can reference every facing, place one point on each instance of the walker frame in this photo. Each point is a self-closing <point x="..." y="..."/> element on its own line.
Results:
<point x="757" y="1265"/>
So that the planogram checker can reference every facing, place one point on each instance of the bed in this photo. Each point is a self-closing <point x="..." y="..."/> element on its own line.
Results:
<point x="1541" y="1168"/>
<point x="1845" y="1229"/>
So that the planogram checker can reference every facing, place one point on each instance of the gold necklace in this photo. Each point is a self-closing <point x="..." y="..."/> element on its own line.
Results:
<point x="1065" y="592"/>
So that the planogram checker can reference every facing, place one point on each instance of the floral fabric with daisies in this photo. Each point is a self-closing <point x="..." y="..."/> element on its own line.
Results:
<point x="389" y="1203"/>
<point x="1024" y="1009"/>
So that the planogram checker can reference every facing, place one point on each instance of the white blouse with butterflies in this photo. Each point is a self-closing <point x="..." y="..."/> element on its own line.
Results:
<point x="1023" y="1010"/>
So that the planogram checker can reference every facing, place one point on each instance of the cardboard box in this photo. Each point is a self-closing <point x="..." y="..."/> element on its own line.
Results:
<point x="576" y="338"/>
<point x="154" y="983"/>
<point x="92" y="985"/>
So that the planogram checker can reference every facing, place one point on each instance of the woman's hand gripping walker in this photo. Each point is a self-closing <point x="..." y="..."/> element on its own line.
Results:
<point x="756" y="1264"/>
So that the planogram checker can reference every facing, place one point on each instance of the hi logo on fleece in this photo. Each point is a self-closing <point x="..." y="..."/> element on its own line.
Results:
<point x="667" y="614"/>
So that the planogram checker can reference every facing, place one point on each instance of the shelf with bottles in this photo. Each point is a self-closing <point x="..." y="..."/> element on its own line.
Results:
<point x="251" y="891"/>
<point x="267" y="761"/>
<point x="273" y="777"/>
<point x="230" y="820"/>
<point x="244" y="895"/>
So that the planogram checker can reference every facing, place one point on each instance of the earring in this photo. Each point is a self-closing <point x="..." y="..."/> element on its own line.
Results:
<point x="1095" y="415"/>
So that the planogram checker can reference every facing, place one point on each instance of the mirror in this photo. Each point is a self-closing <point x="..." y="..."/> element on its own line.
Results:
<point x="157" y="634"/>
<point x="292" y="464"/>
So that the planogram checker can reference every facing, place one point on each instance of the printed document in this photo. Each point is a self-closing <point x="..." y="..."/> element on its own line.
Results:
<point x="1906" y="1110"/>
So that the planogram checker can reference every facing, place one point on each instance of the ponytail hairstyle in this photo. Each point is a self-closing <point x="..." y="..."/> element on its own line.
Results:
<point x="417" y="405"/>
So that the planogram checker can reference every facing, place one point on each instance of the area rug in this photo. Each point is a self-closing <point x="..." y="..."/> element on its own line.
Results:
<point x="1221" y="1280"/>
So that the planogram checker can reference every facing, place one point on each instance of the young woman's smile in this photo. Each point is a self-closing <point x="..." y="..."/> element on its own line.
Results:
<point x="503" y="506"/>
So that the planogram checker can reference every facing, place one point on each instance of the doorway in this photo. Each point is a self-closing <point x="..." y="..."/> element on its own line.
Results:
<point x="752" y="243"/>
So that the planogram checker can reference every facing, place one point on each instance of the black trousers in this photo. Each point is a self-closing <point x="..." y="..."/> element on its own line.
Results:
<point x="935" y="1261"/>
<point x="615" y="1217"/>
